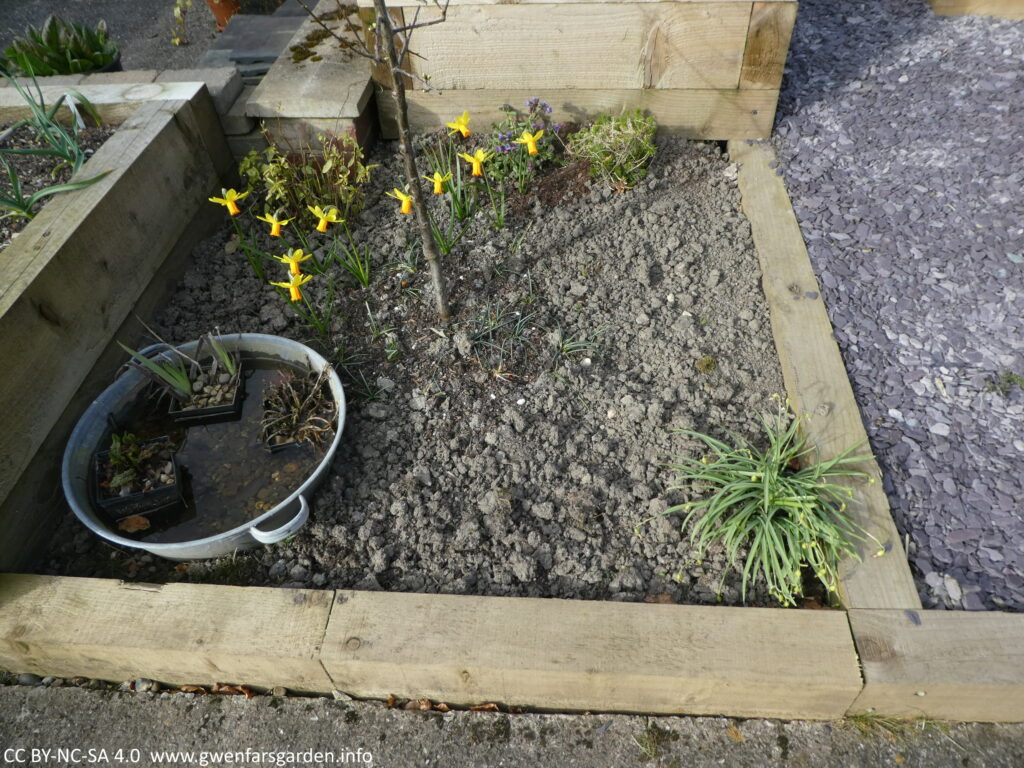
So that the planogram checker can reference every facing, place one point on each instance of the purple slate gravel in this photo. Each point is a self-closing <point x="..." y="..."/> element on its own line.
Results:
<point x="901" y="139"/>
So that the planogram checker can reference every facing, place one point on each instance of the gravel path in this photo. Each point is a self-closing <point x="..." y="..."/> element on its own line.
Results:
<point x="901" y="140"/>
<point x="141" y="29"/>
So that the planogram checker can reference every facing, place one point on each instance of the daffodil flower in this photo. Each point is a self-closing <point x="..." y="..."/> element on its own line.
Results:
<point x="292" y="259"/>
<point x="229" y="200"/>
<point x="530" y="140"/>
<point x="293" y="285"/>
<point x="275" y="223"/>
<point x="405" y="199"/>
<point x="439" y="181"/>
<point x="477" y="160"/>
<point x="459" y="125"/>
<point x="325" y="216"/>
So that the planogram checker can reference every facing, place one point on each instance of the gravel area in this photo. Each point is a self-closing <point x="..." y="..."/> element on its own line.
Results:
<point x="141" y="29"/>
<point x="901" y="141"/>
<point x="521" y="471"/>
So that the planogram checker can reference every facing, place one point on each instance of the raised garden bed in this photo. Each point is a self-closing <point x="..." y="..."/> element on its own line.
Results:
<point x="494" y="457"/>
<point x="569" y="654"/>
<point x="72" y="278"/>
<point x="706" y="70"/>
<point x="39" y="172"/>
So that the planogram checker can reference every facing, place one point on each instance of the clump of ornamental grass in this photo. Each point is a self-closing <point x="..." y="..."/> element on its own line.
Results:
<point x="779" y="505"/>
<point x="617" y="148"/>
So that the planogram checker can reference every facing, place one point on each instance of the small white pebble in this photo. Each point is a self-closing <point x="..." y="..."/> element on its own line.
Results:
<point x="521" y="401"/>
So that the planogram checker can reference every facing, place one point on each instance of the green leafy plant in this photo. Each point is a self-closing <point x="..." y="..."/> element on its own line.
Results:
<point x="780" y="506"/>
<point x="331" y="174"/>
<point x="129" y="459"/>
<point x="617" y="148"/>
<point x="512" y="161"/>
<point x="179" y="35"/>
<point x="17" y="204"/>
<point x="442" y="159"/>
<point x="61" y="142"/>
<point x="1005" y="383"/>
<point x="170" y="372"/>
<point x="59" y="48"/>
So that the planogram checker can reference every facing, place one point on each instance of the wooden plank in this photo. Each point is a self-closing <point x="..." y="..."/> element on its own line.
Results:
<point x="943" y="665"/>
<point x="816" y="378"/>
<point x="73" y="275"/>
<point x="30" y="510"/>
<point x="547" y="47"/>
<point x="173" y="633"/>
<point x="1003" y="9"/>
<point x="581" y="655"/>
<point x="338" y="86"/>
<point x="115" y="102"/>
<point x="696" y="114"/>
<point x="771" y="26"/>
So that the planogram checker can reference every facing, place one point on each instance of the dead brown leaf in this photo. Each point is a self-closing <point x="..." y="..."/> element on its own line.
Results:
<point x="662" y="598"/>
<point x="442" y="707"/>
<point x="192" y="689"/>
<point x="391" y="702"/>
<point x="899" y="759"/>
<point x="812" y="604"/>
<point x="488" y="707"/>
<point x="419" y="705"/>
<point x="734" y="734"/>
<point x="133" y="524"/>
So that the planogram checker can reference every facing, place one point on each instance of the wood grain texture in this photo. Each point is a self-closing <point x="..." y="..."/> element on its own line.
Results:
<point x="943" y="665"/>
<point x="816" y="378"/>
<point x="75" y="273"/>
<point x="115" y="102"/>
<point x="338" y="86"/>
<point x="694" y="114"/>
<point x="581" y="655"/>
<point x="175" y="633"/>
<point x="619" y="45"/>
<point x="771" y="26"/>
<point x="1003" y="9"/>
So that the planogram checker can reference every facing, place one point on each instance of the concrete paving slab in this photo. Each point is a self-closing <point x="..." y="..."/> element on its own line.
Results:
<point x="289" y="731"/>
<point x="253" y="39"/>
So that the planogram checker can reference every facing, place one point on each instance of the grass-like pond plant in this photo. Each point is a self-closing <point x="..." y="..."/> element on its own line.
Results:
<point x="779" y="505"/>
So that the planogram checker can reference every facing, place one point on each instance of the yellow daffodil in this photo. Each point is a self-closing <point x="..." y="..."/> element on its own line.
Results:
<point x="275" y="223"/>
<point x="439" y="181"/>
<point x="292" y="259"/>
<point x="229" y="200"/>
<point x="530" y="140"/>
<point x="459" y="125"/>
<point x="329" y="216"/>
<point x="293" y="285"/>
<point x="400" y="195"/>
<point x="477" y="160"/>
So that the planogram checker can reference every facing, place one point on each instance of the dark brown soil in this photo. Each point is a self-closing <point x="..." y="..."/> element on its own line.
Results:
<point x="36" y="172"/>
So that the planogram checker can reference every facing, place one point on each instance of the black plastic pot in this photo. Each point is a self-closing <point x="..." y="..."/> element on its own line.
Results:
<point x="145" y="503"/>
<point x="213" y="414"/>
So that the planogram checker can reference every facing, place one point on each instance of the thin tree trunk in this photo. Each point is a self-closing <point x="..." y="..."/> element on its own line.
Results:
<point x="405" y="146"/>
